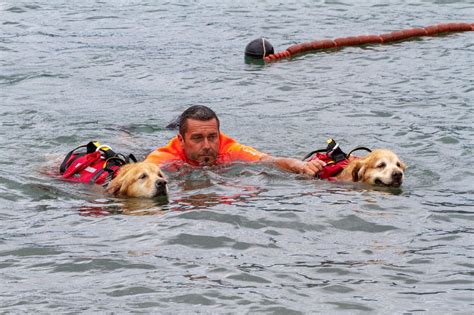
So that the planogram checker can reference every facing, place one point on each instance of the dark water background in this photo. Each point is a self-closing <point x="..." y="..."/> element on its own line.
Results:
<point x="239" y="239"/>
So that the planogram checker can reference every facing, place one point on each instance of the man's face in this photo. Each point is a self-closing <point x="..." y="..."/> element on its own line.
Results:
<point x="201" y="141"/>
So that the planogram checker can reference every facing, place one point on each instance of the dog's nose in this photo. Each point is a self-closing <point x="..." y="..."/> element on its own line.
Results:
<point x="161" y="187"/>
<point x="397" y="176"/>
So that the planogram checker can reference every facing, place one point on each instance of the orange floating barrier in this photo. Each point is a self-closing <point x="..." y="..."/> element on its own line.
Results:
<point x="443" y="28"/>
<point x="347" y="41"/>
<point x="294" y="49"/>
<point x="415" y="32"/>
<point x="459" y="27"/>
<point x="306" y="46"/>
<point x="386" y="37"/>
<point x="400" y="35"/>
<point x="431" y="30"/>
<point x="327" y="44"/>
<point x="369" y="39"/>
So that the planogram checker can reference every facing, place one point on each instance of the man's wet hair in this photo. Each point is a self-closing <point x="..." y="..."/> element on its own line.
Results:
<point x="197" y="112"/>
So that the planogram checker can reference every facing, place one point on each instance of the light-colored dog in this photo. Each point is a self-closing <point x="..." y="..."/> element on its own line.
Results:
<point x="381" y="167"/>
<point x="141" y="179"/>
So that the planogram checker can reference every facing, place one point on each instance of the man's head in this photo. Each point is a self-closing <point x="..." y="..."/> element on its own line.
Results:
<point x="199" y="134"/>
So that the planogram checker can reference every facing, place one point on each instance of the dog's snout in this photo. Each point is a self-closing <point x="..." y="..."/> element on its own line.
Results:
<point x="161" y="187"/>
<point x="397" y="175"/>
<point x="160" y="184"/>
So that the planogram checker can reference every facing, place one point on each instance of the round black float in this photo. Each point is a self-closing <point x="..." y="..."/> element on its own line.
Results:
<point x="259" y="48"/>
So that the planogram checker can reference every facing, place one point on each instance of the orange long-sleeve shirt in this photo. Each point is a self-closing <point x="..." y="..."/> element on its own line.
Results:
<point x="229" y="151"/>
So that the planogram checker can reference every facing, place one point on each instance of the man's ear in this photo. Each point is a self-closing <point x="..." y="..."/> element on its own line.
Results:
<point x="181" y="139"/>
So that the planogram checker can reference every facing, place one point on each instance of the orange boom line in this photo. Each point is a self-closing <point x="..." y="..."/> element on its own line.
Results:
<point x="369" y="39"/>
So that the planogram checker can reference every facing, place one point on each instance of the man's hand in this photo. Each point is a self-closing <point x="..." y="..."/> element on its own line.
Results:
<point x="312" y="167"/>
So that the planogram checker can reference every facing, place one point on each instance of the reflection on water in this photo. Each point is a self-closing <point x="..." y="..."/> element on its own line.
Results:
<point x="238" y="239"/>
<point x="131" y="206"/>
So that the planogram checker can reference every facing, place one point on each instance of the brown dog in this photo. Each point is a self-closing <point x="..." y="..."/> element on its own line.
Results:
<point x="380" y="167"/>
<point x="141" y="179"/>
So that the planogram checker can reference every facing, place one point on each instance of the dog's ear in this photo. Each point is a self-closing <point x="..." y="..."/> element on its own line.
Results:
<point x="118" y="185"/>
<point x="114" y="187"/>
<point x="358" y="171"/>
<point x="403" y="165"/>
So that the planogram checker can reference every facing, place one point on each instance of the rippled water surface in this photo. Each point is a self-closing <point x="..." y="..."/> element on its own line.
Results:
<point x="239" y="239"/>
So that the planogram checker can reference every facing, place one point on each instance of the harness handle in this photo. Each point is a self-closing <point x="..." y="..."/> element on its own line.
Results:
<point x="131" y="157"/>
<point x="359" y="148"/>
<point x="332" y="147"/>
<point x="65" y="164"/>
<point x="313" y="152"/>
<point x="102" y="147"/>
<point x="121" y="161"/>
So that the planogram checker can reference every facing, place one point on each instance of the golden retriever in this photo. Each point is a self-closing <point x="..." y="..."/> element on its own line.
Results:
<point x="141" y="179"/>
<point x="381" y="167"/>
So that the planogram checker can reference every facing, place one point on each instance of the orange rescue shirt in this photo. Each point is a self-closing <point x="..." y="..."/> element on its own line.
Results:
<point x="229" y="151"/>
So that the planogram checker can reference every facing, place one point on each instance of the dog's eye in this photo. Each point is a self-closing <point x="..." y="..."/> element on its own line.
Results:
<point x="398" y="164"/>
<point x="143" y="176"/>
<point x="381" y="165"/>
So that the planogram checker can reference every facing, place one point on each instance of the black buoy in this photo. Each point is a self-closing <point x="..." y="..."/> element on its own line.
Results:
<point x="259" y="48"/>
<point x="174" y="124"/>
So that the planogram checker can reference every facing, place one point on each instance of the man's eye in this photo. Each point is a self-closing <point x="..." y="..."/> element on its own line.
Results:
<point x="212" y="137"/>
<point x="196" y="138"/>
<point x="143" y="176"/>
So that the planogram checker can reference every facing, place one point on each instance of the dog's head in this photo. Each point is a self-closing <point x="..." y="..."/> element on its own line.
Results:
<point x="380" y="167"/>
<point x="141" y="179"/>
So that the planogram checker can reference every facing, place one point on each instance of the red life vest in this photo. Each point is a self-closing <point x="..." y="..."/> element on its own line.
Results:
<point x="332" y="168"/>
<point x="96" y="165"/>
<point x="336" y="160"/>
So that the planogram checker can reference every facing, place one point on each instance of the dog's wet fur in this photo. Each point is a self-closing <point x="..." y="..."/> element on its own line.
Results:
<point x="381" y="167"/>
<point x="140" y="180"/>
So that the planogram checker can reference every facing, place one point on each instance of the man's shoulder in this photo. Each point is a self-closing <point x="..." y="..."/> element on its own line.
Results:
<point x="172" y="146"/>
<point x="170" y="152"/>
<point x="225" y="139"/>
<point x="237" y="151"/>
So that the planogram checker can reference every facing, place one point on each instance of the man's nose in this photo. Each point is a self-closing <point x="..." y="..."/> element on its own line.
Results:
<point x="206" y="143"/>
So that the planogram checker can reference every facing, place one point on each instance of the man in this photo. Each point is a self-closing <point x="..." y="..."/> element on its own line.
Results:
<point x="201" y="143"/>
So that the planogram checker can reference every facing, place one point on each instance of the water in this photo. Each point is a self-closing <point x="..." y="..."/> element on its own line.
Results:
<point x="242" y="239"/>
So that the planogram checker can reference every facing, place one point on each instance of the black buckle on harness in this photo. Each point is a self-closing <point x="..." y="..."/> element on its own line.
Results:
<point x="117" y="160"/>
<point x="334" y="151"/>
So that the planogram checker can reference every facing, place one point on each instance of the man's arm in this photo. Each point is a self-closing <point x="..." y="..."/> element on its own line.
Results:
<point x="310" y="168"/>
<point x="245" y="153"/>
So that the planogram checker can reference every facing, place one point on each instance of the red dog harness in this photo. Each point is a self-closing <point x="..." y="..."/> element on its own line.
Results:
<point x="332" y="168"/>
<point x="336" y="160"/>
<point x="96" y="164"/>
